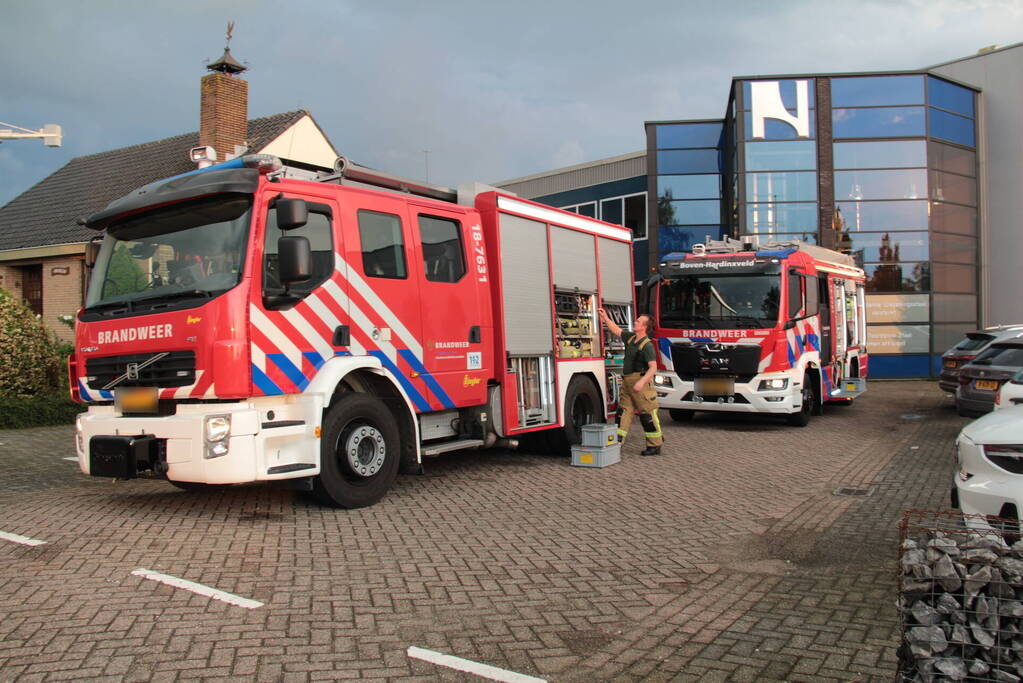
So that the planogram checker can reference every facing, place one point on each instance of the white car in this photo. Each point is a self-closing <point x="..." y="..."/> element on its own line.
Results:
<point x="989" y="458"/>
<point x="1011" y="393"/>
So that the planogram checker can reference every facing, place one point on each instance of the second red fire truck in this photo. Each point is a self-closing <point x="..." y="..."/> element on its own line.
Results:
<point x="773" y="328"/>
<point x="241" y="326"/>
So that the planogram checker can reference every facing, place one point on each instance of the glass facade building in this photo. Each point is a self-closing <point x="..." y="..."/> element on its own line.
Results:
<point x="880" y="166"/>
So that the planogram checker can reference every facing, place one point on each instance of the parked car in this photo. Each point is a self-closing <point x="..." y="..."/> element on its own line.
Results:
<point x="1011" y="393"/>
<point x="981" y="378"/>
<point x="967" y="349"/>
<point x="989" y="465"/>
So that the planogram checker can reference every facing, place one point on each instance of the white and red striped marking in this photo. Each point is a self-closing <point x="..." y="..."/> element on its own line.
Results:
<point x="18" y="538"/>
<point x="468" y="666"/>
<point x="198" y="588"/>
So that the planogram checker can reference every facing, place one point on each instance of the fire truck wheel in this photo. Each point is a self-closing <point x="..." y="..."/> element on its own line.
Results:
<point x="582" y="407"/>
<point x="801" y="418"/>
<point x="358" y="452"/>
<point x="679" y="415"/>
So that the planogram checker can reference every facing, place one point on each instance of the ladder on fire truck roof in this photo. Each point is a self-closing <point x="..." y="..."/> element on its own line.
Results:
<point x="752" y="243"/>
<point x="348" y="173"/>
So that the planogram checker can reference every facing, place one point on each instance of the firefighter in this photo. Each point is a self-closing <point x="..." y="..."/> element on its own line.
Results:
<point x="638" y="393"/>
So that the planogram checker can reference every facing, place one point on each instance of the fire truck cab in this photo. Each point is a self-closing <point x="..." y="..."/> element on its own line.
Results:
<point x="243" y="326"/>
<point x="773" y="328"/>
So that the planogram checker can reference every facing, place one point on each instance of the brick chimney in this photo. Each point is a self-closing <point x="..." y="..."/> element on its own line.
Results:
<point x="224" y="107"/>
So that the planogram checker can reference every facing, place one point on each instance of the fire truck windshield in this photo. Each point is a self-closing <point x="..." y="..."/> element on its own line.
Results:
<point x="190" y="250"/>
<point x="719" y="301"/>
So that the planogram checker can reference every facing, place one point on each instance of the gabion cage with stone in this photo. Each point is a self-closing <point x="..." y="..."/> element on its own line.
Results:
<point x="960" y="598"/>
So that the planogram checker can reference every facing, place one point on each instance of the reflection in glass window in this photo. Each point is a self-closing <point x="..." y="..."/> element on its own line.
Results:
<point x="953" y="248"/>
<point x="911" y="215"/>
<point x="950" y="277"/>
<point x="689" y="135"/>
<point x="874" y="91"/>
<point x="781" y="187"/>
<point x="953" y="218"/>
<point x="889" y="154"/>
<point x="672" y="238"/>
<point x="689" y="186"/>
<point x="951" y="127"/>
<point x="884" y="247"/>
<point x="955" y="159"/>
<point x="778" y="130"/>
<point x="949" y="96"/>
<point x="948" y="187"/>
<point x="883" y="122"/>
<point x="443" y="255"/>
<point x="635" y="215"/>
<point x="900" y="184"/>
<point x="781" y="218"/>
<point x="611" y="210"/>
<point x="383" y="247"/>
<point x="808" y="237"/>
<point x="787" y="88"/>
<point x="898" y="277"/>
<point x="689" y="161"/>
<point x="797" y="155"/>
<point x="317" y="231"/>
<point x="691" y="212"/>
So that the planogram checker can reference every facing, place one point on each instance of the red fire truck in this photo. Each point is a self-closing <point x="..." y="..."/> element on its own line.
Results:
<point x="774" y="328"/>
<point x="242" y="326"/>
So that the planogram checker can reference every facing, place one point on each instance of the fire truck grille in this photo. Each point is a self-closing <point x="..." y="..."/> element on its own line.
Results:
<point x="176" y="369"/>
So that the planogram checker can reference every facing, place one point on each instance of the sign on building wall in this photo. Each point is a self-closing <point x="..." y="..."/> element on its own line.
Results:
<point x="898" y="338"/>
<point x="766" y="103"/>
<point x="898" y="308"/>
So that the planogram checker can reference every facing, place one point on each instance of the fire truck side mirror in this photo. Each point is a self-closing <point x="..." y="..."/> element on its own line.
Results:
<point x="295" y="258"/>
<point x="291" y="213"/>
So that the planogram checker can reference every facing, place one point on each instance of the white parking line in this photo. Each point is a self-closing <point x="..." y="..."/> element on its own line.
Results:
<point x="459" y="664"/>
<point x="18" y="538"/>
<point x="214" y="593"/>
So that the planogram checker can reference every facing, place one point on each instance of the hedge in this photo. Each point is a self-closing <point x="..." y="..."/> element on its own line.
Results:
<point x="19" y="412"/>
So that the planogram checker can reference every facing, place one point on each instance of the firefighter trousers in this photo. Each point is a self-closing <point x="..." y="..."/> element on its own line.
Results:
<point x="642" y="402"/>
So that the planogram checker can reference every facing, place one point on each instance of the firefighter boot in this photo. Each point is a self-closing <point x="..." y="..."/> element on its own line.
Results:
<point x="651" y="450"/>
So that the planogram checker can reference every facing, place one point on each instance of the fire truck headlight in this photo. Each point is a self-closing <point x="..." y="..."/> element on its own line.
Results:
<point x="218" y="427"/>
<point x="773" y="384"/>
<point x="662" y="381"/>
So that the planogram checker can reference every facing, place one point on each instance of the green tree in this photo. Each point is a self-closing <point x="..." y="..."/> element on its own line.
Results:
<point x="124" y="274"/>
<point x="30" y="362"/>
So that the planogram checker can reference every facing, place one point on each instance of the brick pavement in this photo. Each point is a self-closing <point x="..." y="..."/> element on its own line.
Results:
<point x="727" y="558"/>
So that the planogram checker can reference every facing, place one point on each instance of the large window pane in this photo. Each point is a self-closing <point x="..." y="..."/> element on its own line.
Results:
<point x="778" y="130"/>
<point x="886" y="247"/>
<point x="955" y="159"/>
<point x="955" y="307"/>
<point x="635" y="215"/>
<point x="948" y="187"/>
<point x="689" y="161"/>
<point x="689" y="135"/>
<point x="899" y="338"/>
<point x="898" y="277"/>
<point x="693" y="212"/>
<point x="902" y="215"/>
<point x="798" y="155"/>
<point x="954" y="248"/>
<point x="890" y="154"/>
<point x="888" y="122"/>
<point x="787" y="88"/>
<point x="780" y="218"/>
<point x="949" y="96"/>
<point x="689" y="186"/>
<point x="951" y="127"/>
<point x="902" y="184"/>
<point x="611" y="210"/>
<point x="672" y="238"/>
<point x="873" y="91"/>
<point x="954" y="278"/>
<point x="781" y="187"/>
<point x="808" y="237"/>
<point x="951" y="218"/>
<point x="383" y="246"/>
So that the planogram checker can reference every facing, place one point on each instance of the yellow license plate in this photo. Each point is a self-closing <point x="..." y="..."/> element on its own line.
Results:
<point x="136" y="399"/>
<point x="715" y="386"/>
<point x="989" y="384"/>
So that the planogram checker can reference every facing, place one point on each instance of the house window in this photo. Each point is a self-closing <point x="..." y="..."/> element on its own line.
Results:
<point x="32" y="287"/>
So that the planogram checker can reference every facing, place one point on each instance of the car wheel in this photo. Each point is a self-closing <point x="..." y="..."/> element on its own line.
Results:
<point x="358" y="452"/>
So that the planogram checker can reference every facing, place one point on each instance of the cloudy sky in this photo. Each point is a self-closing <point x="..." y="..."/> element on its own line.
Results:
<point x="492" y="90"/>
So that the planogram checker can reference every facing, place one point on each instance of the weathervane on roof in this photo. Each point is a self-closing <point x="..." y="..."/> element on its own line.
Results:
<point x="227" y="64"/>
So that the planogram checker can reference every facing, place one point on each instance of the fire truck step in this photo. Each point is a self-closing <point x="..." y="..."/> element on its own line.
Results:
<point x="438" y="448"/>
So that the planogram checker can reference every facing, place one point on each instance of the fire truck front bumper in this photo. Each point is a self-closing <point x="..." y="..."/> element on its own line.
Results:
<point x="762" y="394"/>
<point x="210" y="443"/>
